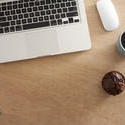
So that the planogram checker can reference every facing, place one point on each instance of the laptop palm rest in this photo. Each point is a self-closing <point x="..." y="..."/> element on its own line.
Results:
<point x="28" y="45"/>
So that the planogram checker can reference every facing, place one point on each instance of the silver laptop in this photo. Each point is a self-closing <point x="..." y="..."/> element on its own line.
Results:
<point x="36" y="28"/>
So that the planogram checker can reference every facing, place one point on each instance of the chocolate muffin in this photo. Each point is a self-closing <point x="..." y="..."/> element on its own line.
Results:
<point x="113" y="83"/>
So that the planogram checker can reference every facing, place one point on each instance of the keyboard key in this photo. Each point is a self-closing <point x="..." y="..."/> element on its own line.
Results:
<point x="7" y="13"/>
<point x="40" y="18"/>
<point x="46" y="18"/>
<point x="62" y="4"/>
<point x="73" y="3"/>
<point x="72" y="14"/>
<point x="18" y="11"/>
<point x="59" y="21"/>
<point x="48" y="2"/>
<point x="4" y="8"/>
<point x="59" y="1"/>
<point x="1" y="13"/>
<point x="13" y="12"/>
<point x="57" y="16"/>
<point x="53" y="22"/>
<point x="51" y="17"/>
<point x="51" y="6"/>
<point x="23" y="21"/>
<point x="20" y="1"/>
<point x="20" y="16"/>
<point x="54" y="11"/>
<point x="2" y="19"/>
<point x="35" y="19"/>
<point x="29" y="20"/>
<point x="63" y="15"/>
<point x="31" y="4"/>
<point x="65" y="9"/>
<point x="12" y="29"/>
<point x="18" y="28"/>
<point x="46" y="7"/>
<point x="42" y="13"/>
<point x="9" y="3"/>
<point x="31" y="14"/>
<point x="76" y="20"/>
<point x="36" y="25"/>
<point x="59" y="10"/>
<point x="14" y="6"/>
<point x="72" y="9"/>
<point x="24" y="10"/>
<point x="13" y="23"/>
<point x="29" y="9"/>
<point x="20" y="5"/>
<point x="26" y="0"/>
<point x="37" y="13"/>
<point x="9" y="18"/>
<point x="65" y="22"/>
<point x="18" y="22"/>
<point x="26" y="15"/>
<point x="42" y="2"/>
<point x="53" y="1"/>
<point x="26" y="5"/>
<point x="48" y="12"/>
<point x="1" y="30"/>
<point x="40" y="7"/>
<point x="35" y="9"/>
<point x="6" y="29"/>
<point x="70" y="20"/>
<point x="9" y="7"/>
<point x="14" y="2"/>
<point x="57" y="5"/>
<point x="3" y="4"/>
<point x="14" y="17"/>
<point x="68" y="4"/>
<point x="37" y="3"/>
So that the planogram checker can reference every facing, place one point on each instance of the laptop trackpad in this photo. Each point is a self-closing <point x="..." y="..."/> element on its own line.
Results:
<point x="41" y="43"/>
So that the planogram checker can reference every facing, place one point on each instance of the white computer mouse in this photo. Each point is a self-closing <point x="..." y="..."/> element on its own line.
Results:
<point x="108" y="14"/>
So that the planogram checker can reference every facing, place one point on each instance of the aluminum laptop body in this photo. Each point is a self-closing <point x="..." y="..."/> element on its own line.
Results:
<point x="44" y="41"/>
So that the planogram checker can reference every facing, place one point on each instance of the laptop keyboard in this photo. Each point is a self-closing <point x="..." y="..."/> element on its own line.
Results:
<point x="29" y="14"/>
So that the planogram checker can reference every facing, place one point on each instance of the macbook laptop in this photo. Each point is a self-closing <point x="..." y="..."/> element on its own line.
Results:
<point x="36" y="28"/>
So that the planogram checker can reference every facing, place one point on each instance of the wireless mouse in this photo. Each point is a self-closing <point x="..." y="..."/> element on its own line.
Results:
<point x="108" y="14"/>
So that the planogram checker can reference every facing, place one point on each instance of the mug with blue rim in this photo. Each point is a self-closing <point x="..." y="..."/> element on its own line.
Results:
<point x="121" y="43"/>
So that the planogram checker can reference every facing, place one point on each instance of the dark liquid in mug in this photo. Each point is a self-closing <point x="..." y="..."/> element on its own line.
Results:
<point x="123" y="40"/>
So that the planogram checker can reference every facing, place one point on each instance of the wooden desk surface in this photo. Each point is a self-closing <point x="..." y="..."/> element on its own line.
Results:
<point x="66" y="89"/>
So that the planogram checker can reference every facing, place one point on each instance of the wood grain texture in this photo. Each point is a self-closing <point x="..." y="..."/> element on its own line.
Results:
<point x="66" y="89"/>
